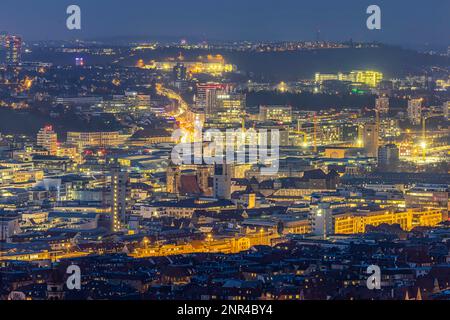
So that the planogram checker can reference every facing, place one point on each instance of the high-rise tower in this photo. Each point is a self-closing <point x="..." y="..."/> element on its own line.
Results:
<point x="13" y="45"/>
<point x="120" y="192"/>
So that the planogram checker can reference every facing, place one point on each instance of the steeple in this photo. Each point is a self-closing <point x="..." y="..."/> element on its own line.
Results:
<point x="419" y="294"/>
<point x="436" y="287"/>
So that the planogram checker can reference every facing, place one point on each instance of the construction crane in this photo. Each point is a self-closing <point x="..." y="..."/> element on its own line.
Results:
<point x="377" y="119"/>
<point x="315" y="132"/>
<point x="300" y="132"/>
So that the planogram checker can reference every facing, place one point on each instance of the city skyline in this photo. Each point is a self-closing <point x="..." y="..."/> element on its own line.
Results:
<point x="405" y="23"/>
<point x="249" y="172"/>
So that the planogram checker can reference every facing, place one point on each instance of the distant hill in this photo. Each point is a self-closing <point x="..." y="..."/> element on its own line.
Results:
<point x="294" y="65"/>
<point x="29" y="122"/>
<point x="277" y="66"/>
<point x="289" y="66"/>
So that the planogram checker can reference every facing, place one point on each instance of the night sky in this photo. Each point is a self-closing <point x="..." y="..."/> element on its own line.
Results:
<point x="403" y="21"/>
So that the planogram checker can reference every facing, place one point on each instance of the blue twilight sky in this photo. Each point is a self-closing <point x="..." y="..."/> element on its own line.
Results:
<point x="403" y="21"/>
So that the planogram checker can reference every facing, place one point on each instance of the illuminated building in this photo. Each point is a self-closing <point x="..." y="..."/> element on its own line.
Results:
<point x="340" y="152"/>
<point x="358" y="221"/>
<point x="27" y="176"/>
<point x="415" y="111"/>
<point x="70" y="101"/>
<point x="281" y="114"/>
<point x="213" y="65"/>
<point x="389" y="127"/>
<point x="368" y="77"/>
<point x="130" y="101"/>
<point x="184" y="208"/>
<point x="13" y="45"/>
<point x="321" y="77"/>
<point x="195" y="116"/>
<point x="179" y="72"/>
<point x="79" y="62"/>
<point x="446" y="109"/>
<point x="296" y="227"/>
<point x="321" y="218"/>
<point x="443" y="84"/>
<point x="370" y="139"/>
<point x="206" y="96"/>
<point x="282" y="87"/>
<point x="428" y="196"/>
<point x="48" y="139"/>
<point x="382" y="105"/>
<point x="230" y="107"/>
<point x="95" y="139"/>
<point x="349" y="132"/>
<point x="120" y="190"/>
<point x="388" y="157"/>
<point x="371" y="78"/>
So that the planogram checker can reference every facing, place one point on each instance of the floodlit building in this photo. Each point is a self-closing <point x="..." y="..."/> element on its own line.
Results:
<point x="120" y="190"/>
<point x="446" y="109"/>
<point x="415" y="111"/>
<point x="13" y="45"/>
<point x="382" y="105"/>
<point x="94" y="139"/>
<point x="282" y="114"/>
<point x="230" y="107"/>
<point x="206" y="96"/>
<point x="368" y="77"/>
<point x="358" y="221"/>
<point x="48" y="139"/>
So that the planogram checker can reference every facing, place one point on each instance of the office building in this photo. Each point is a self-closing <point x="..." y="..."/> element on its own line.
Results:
<point x="48" y="139"/>
<point x="180" y="72"/>
<point x="280" y="114"/>
<point x="428" y="196"/>
<point x="357" y="221"/>
<point x="415" y="111"/>
<point x="13" y="45"/>
<point x="206" y="97"/>
<point x="388" y="157"/>
<point x="370" y="139"/>
<point x="446" y="109"/>
<point x="382" y="105"/>
<point x="367" y="77"/>
<point x="230" y="107"/>
<point x="120" y="192"/>
<point x="94" y="139"/>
